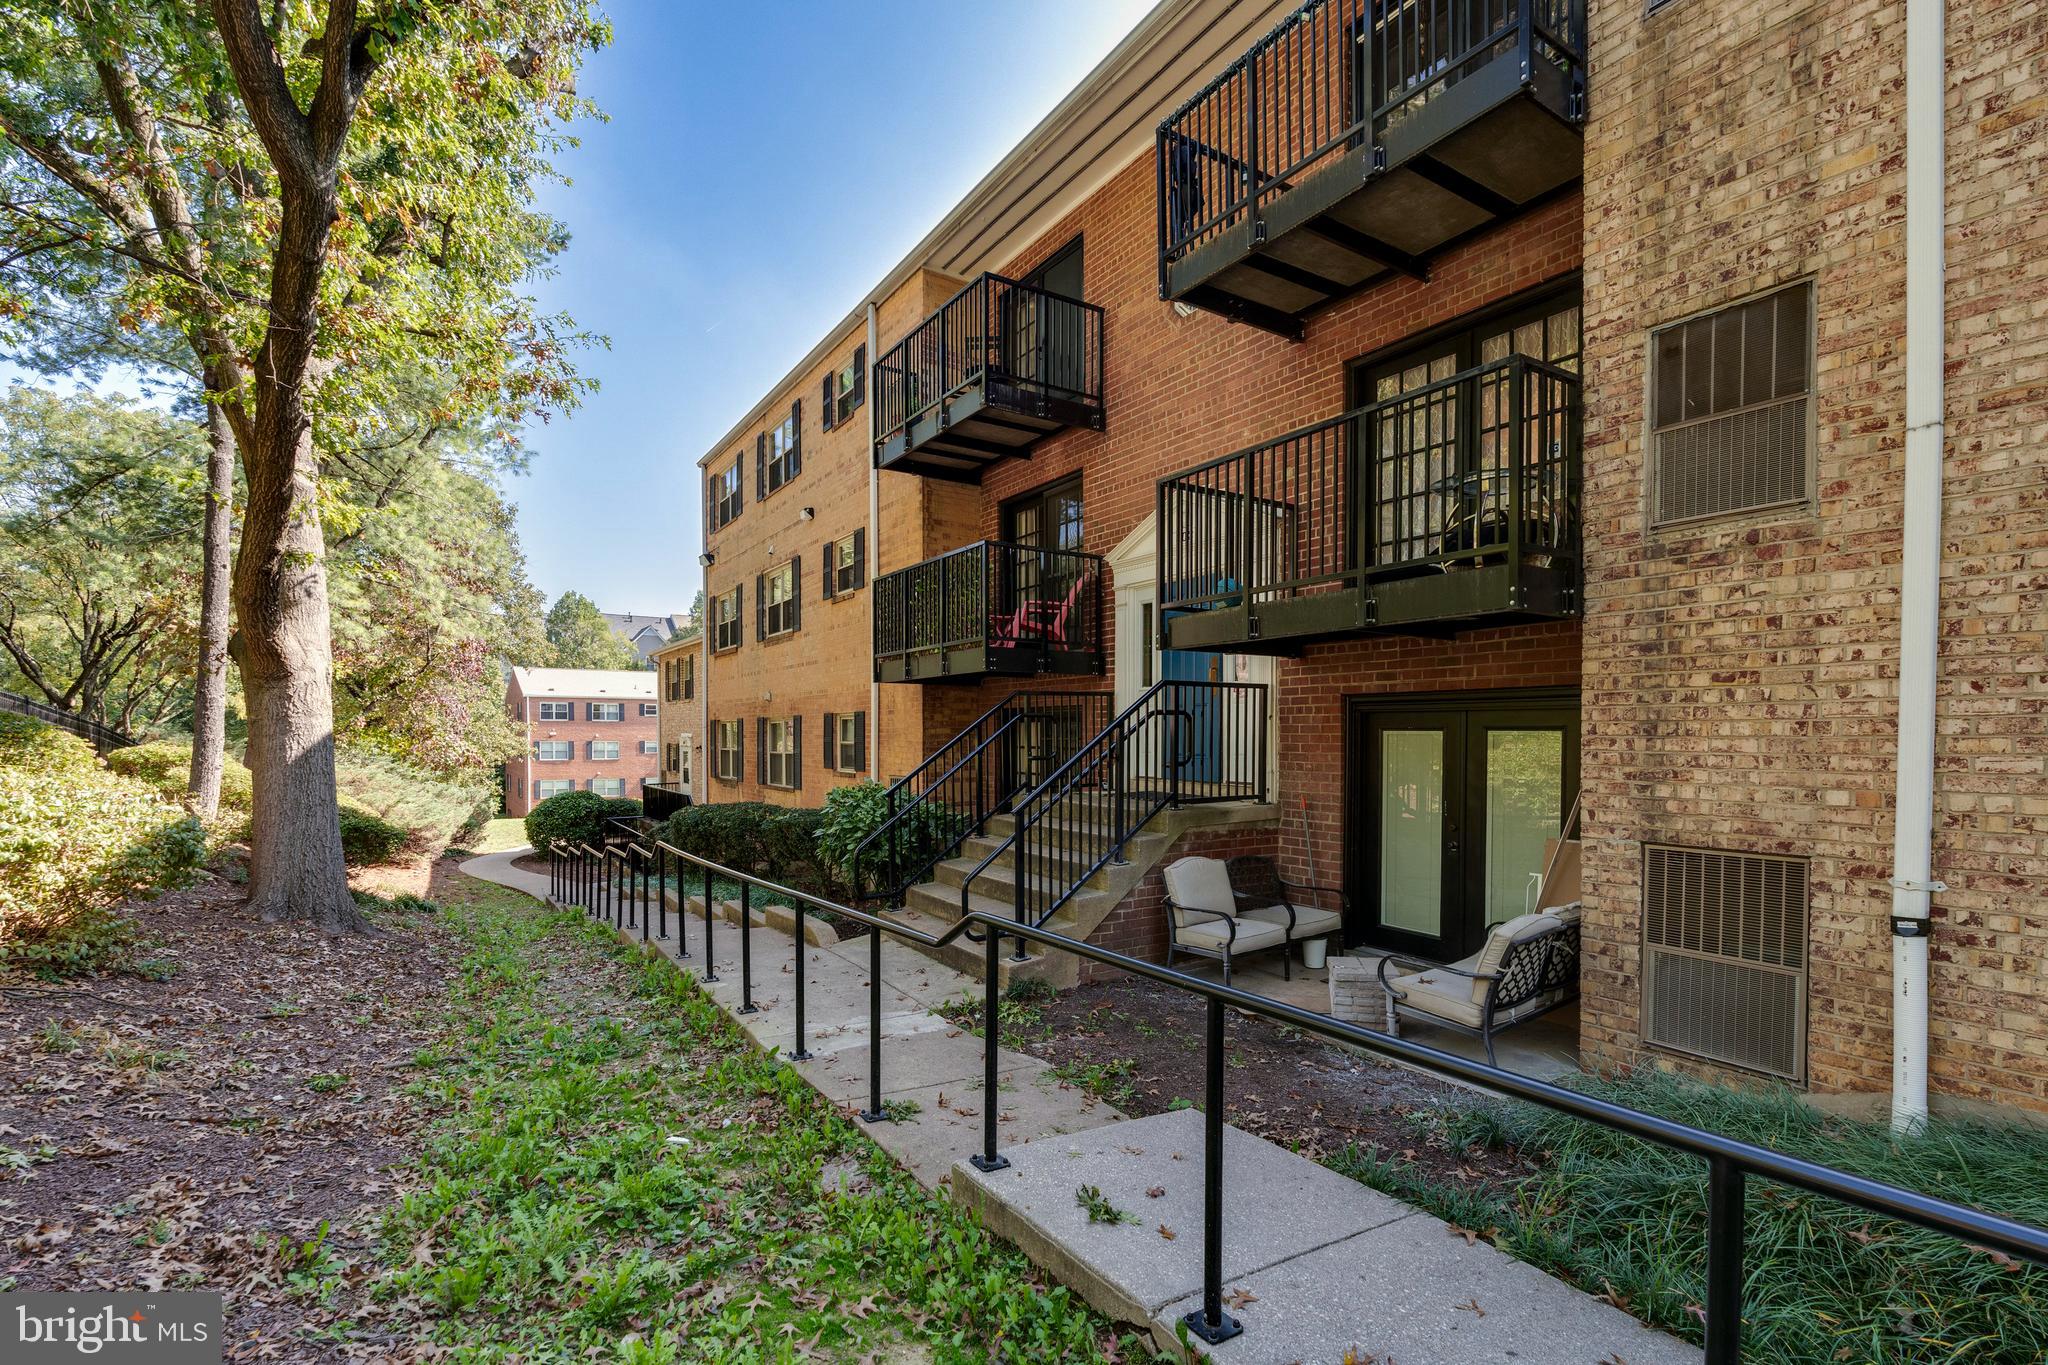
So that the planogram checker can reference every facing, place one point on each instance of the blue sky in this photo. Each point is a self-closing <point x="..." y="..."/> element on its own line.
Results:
<point x="762" y="166"/>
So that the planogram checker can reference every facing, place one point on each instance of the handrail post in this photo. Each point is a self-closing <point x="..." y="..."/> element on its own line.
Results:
<point x="710" y="960"/>
<point x="1210" y="1322"/>
<point x="1020" y="857"/>
<point x="800" y="1053"/>
<point x="1724" y="1261"/>
<point x="875" y="1113"/>
<point x="1251" y="147"/>
<point x="746" y="948"/>
<point x="646" y="926"/>
<point x="988" y="1158"/>
<point x="661" y="887"/>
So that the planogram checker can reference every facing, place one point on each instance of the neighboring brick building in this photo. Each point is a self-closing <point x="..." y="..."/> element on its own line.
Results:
<point x="680" y="721"/>
<point x="1615" y="324"/>
<point x="587" y="729"/>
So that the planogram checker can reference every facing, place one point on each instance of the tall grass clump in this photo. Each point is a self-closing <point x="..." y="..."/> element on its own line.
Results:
<point x="1825" y="1281"/>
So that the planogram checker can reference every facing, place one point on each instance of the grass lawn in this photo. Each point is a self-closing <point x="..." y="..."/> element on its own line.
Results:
<point x="616" y="1175"/>
<point x="507" y="831"/>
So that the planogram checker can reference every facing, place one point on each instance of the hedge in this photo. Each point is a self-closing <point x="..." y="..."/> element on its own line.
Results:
<point x="166" y="765"/>
<point x="575" y="818"/>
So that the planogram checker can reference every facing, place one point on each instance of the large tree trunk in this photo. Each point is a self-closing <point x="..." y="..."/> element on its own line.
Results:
<point x="210" y="686"/>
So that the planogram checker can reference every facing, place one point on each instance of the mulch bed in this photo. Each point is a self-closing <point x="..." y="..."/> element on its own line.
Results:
<point x="174" y="1131"/>
<point x="1280" y="1084"/>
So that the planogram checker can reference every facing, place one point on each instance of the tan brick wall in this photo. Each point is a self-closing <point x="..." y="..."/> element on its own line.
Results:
<point x="680" y="716"/>
<point x="1742" y="673"/>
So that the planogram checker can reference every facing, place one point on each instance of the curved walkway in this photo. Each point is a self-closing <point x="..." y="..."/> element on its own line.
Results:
<point x="497" y="867"/>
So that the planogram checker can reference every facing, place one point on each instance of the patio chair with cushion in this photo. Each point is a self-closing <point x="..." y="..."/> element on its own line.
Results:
<point x="1528" y="966"/>
<point x="1256" y="882"/>
<point x="1202" y="916"/>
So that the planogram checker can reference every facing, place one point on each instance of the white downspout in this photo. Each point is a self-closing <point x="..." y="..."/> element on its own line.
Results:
<point x="1913" y="883"/>
<point x="874" y="555"/>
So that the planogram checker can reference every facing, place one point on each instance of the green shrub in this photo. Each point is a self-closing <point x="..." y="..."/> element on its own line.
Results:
<point x="435" y="811"/>
<point x="789" y="850"/>
<point x="166" y="765"/>
<point x="367" y="838"/>
<point x="729" y="833"/>
<point x="575" y="818"/>
<point x="74" y="840"/>
<point x="854" y="812"/>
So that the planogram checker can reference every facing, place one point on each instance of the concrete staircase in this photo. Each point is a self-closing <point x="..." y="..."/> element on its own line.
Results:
<point x="935" y="905"/>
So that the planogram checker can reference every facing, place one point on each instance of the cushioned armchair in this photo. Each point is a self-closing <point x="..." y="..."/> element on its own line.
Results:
<point x="1263" y="895"/>
<point x="1202" y="916"/>
<point x="1529" y="966"/>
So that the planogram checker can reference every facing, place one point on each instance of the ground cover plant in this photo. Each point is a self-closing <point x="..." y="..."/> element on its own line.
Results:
<point x="1624" y="1218"/>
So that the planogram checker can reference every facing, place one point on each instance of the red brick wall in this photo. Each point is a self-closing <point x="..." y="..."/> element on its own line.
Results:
<point x="1137" y="927"/>
<point x="632" y="765"/>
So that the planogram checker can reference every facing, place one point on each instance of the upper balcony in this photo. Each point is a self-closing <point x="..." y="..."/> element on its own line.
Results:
<point x="990" y="609"/>
<point x="1435" y="509"/>
<point x="1000" y="366"/>
<point x="1359" y="138"/>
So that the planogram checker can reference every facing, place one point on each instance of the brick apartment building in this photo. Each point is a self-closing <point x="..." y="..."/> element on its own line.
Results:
<point x="587" y="729"/>
<point x="679" y="719"/>
<point x="1483" y="422"/>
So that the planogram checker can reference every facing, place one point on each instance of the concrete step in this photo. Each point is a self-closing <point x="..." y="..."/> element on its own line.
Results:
<point x="971" y="959"/>
<point x="1046" y="875"/>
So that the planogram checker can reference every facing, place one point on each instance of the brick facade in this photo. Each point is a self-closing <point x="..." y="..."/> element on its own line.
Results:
<point x="579" y="689"/>
<point x="680" y="721"/>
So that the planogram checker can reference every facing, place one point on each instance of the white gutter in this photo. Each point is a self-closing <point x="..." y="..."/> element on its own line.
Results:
<point x="1913" y="883"/>
<point x="874" y="554"/>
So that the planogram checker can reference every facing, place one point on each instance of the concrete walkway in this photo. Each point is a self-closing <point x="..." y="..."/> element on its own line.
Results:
<point x="1315" y="1264"/>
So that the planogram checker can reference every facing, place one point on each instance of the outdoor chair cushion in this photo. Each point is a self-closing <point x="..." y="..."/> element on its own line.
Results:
<point x="1498" y="940"/>
<point x="1309" y="922"/>
<point x="1213" y="934"/>
<point x="1199" y="884"/>
<point x="1450" y="997"/>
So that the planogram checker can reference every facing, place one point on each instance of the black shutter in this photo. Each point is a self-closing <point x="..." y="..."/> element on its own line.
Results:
<point x="690" y="678"/>
<point x="796" y="751"/>
<point x="793" y="609"/>
<point x="827" y="416"/>
<point x="711" y="522"/>
<point x="793" y="460"/>
<point x="761" y="752"/>
<point x="831" y="739"/>
<point x="739" y="751"/>
<point x="760" y="606"/>
<point x="739" y="484"/>
<point x="860" y="741"/>
<point x="860" y="373"/>
<point x="860" y="556"/>
<point x="830" y="583"/>
<point x="761" y="465"/>
<point x="739" y="613"/>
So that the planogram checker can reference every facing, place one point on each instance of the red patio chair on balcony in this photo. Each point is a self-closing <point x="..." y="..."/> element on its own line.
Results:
<point x="1043" y="620"/>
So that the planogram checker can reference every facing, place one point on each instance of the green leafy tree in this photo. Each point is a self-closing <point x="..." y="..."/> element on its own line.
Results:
<point x="99" y="508"/>
<point x="321" y="200"/>
<point x="580" y="637"/>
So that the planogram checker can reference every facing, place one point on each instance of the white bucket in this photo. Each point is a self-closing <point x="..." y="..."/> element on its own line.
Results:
<point x="1313" y="953"/>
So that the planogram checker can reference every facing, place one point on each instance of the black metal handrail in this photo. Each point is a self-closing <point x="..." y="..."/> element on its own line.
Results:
<point x="1331" y="78"/>
<point x="994" y="330"/>
<point x="1479" y="464"/>
<point x="1729" y="1161"/>
<point x="996" y="595"/>
<point x="102" y="737"/>
<point x="1179" y="743"/>
<point x="1006" y="750"/>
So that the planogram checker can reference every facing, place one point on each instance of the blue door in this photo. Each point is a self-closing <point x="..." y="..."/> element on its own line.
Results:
<point x="1200" y="733"/>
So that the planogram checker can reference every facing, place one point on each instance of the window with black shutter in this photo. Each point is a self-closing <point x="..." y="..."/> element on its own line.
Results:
<point x="831" y="737"/>
<point x="846" y="390"/>
<point x="829" y="403"/>
<point x="860" y="741"/>
<point x="725" y="627"/>
<point x="779" y="609"/>
<point x="690" y="678"/>
<point x="845" y="566"/>
<point x="724" y="498"/>
<point x="779" y="451"/>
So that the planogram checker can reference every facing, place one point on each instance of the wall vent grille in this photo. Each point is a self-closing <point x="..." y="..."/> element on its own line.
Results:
<point x="1724" y="939"/>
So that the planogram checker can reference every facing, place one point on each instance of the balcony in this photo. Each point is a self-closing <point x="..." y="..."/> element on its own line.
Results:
<point x="998" y="368"/>
<point x="990" y="610"/>
<point x="1451" y="505"/>
<point x="1359" y="138"/>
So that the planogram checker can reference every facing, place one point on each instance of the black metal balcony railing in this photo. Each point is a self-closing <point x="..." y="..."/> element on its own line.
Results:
<point x="997" y="367"/>
<point x="1384" y="82"/>
<point x="990" y="607"/>
<point x="1455" y="499"/>
<point x="659" y="800"/>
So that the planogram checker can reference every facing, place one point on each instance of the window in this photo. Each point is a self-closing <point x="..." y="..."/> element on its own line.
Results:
<point x="672" y="679"/>
<point x="1731" y="409"/>
<point x="648" y="708"/>
<point x="648" y="748"/>
<point x="775" y="599"/>
<point x="780" y="766"/>
<point x="558" y="710"/>
<point x="846" y="564"/>
<point x="608" y="786"/>
<point x="604" y="750"/>
<point x="724" y="501"/>
<point x="554" y="751"/>
<point x="725" y="628"/>
<point x="671" y="760"/>
<point x="778" y="454"/>
<point x="846" y="741"/>
<point x="552" y="786"/>
<point x="727" y="761"/>
<point x="608" y="710"/>
<point x="846" y="389"/>
<point x="690" y="675"/>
